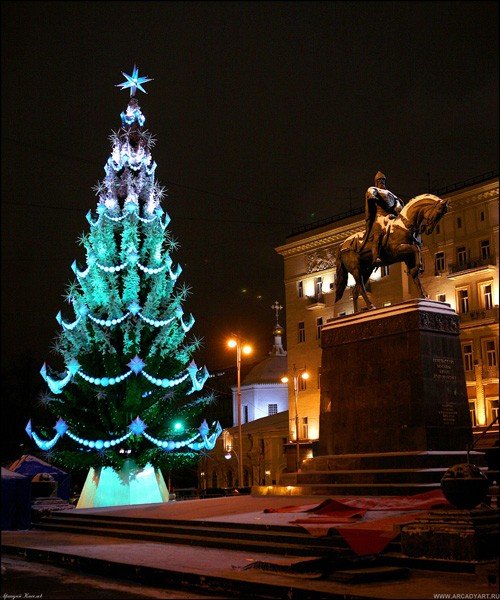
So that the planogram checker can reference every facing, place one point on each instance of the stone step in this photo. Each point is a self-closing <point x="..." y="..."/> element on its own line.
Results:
<point x="393" y="460"/>
<point x="369" y="476"/>
<point x="344" y="489"/>
<point x="291" y="540"/>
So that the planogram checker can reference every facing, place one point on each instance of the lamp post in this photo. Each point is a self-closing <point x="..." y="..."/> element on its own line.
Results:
<point x="296" y="373"/>
<point x="238" y="343"/>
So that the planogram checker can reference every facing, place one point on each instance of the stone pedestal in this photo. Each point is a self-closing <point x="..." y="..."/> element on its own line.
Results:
<point x="392" y="380"/>
<point x="465" y="535"/>
<point x="394" y="414"/>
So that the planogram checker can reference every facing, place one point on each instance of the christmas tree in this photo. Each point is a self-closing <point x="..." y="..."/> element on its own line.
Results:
<point x="128" y="401"/>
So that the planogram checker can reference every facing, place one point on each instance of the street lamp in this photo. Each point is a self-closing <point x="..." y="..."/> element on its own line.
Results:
<point x="241" y="347"/>
<point x="296" y="373"/>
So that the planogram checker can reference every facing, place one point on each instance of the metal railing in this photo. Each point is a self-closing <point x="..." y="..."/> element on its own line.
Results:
<point x="470" y="265"/>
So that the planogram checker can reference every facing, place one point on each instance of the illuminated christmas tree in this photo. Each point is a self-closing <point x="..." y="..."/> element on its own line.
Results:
<point x="128" y="401"/>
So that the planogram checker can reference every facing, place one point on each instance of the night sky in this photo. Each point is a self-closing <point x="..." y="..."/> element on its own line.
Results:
<point x="268" y="115"/>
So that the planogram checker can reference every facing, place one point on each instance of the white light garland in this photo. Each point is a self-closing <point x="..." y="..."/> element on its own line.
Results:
<point x="137" y="427"/>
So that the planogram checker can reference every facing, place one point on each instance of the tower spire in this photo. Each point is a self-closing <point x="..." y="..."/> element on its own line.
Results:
<point x="278" y="331"/>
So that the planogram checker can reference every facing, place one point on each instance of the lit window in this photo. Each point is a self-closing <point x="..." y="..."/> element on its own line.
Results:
<point x="494" y="409"/>
<point x="439" y="262"/>
<point x="468" y="357"/>
<point x="485" y="249"/>
<point x="461" y="256"/>
<point x="319" y="325"/>
<point x="487" y="296"/>
<point x="472" y="410"/>
<point x="491" y="353"/>
<point x="441" y="297"/>
<point x="302" y="332"/>
<point x="318" y="287"/>
<point x="305" y="428"/>
<point x="300" y="289"/>
<point x="463" y="301"/>
<point x="272" y="409"/>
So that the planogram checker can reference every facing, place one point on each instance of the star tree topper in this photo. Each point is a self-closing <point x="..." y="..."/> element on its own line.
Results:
<point x="133" y="82"/>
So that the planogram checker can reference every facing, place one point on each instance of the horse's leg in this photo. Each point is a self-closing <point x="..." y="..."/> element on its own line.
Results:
<point x="415" y="270"/>
<point x="355" y="294"/>
<point x="358" y="278"/>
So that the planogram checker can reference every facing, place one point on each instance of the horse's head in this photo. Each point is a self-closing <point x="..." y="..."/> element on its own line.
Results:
<point x="435" y="214"/>
<point x="424" y="212"/>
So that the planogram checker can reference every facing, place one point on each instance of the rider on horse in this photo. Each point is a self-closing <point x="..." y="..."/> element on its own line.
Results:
<point x="380" y="205"/>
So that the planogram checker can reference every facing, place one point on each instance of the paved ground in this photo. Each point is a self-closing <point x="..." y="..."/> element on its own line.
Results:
<point x="213" y="570"/>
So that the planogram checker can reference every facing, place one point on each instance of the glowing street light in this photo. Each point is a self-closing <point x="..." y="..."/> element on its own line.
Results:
<point x="241" y="347"/>
<point x="303" y="374"/>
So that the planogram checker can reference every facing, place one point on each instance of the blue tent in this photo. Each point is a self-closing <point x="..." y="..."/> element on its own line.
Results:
<point x="16" y="500"/>
<point x="31" y="465"/>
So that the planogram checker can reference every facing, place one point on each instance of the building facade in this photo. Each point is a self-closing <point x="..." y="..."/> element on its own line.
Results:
<point x="264" y="427"/>
<point x="461" y="269"/>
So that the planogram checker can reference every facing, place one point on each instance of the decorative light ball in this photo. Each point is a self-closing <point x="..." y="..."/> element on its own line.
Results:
<point x="170" y="445"/>
<point x="105" y="381"/>
<point x="85" y="442"/>
<point x="91" y="444"/>
<point x="107" y="444"/>
<point x="97" y="381"/>
<point x="112" y="381"/>
<point x="99" y="445"/>
<point x="164" y="444"/>
<point x="465" y="486"/>
<point x="178" y="444"/>
<point x="113" y="443"/>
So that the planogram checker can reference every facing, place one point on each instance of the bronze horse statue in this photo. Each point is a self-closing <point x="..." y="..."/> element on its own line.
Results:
<point x="400" y="243"/>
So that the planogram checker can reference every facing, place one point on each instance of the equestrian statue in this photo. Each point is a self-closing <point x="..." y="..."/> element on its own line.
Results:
<point x="392" y="234"/>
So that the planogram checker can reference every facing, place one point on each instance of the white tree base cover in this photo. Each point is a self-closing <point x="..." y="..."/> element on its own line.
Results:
<point x="106" y="487"/>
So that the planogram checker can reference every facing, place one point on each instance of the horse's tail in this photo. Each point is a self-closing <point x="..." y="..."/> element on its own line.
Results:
<point x="341" y="276"/>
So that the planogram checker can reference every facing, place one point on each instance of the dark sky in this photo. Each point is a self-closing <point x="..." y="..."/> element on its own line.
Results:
<point x="268" y="115"/>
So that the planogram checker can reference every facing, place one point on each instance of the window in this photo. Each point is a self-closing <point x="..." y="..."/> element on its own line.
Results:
<point x="300" y="289"/>
<point x="439" y="262"/>
<point x="384" y="271"/>
<point x="319" y="378"/>
<point x="318" y="287"/>
<point x="491" y="353"/>
<point x="305" y="428"/>
<point x="214" y="478"/>
<point x="302" y="384"/>
<point x="302" y="332"/>
<point x="319" y="325"/>
<point x="261" y="446"/>
<point x="481" y="215"/>
<point x="272" y="409"/>
<point x="459" y="222"/>
<point x="468" y="357"/>
<point x="461" y="256"/>
<point x="487" y="296"/>
<point x="472" y="411"/>
<point x="245" y="413"/>
<point x="463" y="301"/>
<point x="441" y="297"/>
<point x="494" y="409"/>
<point x="438" y="228"/>
<point x="230" y="478"/>
<point x="485" y="249"/>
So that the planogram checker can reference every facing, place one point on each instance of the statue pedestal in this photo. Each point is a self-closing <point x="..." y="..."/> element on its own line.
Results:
<point x="394" y="414"/>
